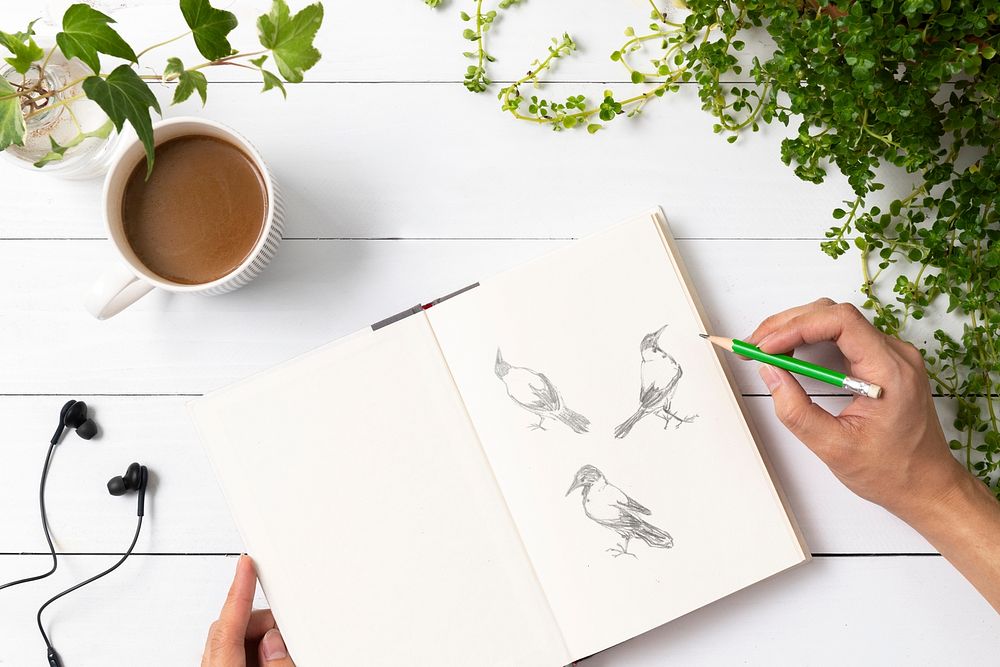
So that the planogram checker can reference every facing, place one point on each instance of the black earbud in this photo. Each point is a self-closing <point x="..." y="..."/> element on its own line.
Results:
<point x="134" y="479"/>
<point x="74" y="415"/>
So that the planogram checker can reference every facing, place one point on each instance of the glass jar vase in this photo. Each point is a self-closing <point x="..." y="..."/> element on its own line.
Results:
<point x="67" y="135"/>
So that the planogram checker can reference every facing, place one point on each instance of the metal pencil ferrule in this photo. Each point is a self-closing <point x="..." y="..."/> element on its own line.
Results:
<point x="862" y="388"/>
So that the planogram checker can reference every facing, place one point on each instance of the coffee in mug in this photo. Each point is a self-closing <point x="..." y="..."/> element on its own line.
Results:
<point x="200" y="212"/>
<point x="207" y="220"/>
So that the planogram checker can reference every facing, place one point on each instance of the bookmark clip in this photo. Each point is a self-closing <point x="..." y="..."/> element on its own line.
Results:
<point x="419" y="308"/>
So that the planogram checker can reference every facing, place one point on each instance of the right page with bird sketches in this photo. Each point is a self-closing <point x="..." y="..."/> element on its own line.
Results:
<point x="614" y="435"/>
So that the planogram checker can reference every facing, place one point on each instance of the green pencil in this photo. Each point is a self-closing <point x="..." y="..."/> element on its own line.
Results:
<point x="799" y="366"/>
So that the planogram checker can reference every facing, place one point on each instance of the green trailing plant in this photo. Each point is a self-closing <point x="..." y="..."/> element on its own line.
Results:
<point x="123" y="93"/>
<point x="869" y="88"/>
<point x="476" y="79"/>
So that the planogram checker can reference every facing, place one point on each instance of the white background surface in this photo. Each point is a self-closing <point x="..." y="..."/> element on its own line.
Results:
<point x="402" y="186"/>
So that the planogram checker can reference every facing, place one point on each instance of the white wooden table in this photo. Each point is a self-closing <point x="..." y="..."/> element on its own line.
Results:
<point x="401" y="186"/>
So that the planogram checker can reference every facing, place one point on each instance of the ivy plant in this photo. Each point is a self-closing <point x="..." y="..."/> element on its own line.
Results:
<point x="123" y="93"/>
<point x="869" y="88"/>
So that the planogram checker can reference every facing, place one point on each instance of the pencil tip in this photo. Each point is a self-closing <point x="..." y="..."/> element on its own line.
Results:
<point x="703" y="335"/>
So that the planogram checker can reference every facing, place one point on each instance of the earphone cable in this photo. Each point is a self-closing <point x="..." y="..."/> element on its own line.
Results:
<point x="45" y="525"/>
<point x="38" y="618"/>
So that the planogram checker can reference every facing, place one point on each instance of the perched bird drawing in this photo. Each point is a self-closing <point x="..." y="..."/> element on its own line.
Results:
<point x="606" y="504"/>
<point x="536" y="394"/>
<point x="659" y="376"/>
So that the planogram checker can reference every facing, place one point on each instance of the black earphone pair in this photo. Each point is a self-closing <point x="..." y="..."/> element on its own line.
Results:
<point x="74" y="415"/>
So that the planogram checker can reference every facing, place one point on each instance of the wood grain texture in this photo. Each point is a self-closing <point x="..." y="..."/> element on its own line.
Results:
<point x="187" y="512"/>
<point x="376" y="42"/>
<point x="315" y="292"/>
<point x="833" y="611"/>
<point x="432" y="160"/>
<point x="384" y="143"/>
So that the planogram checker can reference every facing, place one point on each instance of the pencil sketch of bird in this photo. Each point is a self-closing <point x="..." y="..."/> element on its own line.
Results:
<point x="536" y="394"/>
<point x="659" y="375"/>
<point x="606" y="504"/>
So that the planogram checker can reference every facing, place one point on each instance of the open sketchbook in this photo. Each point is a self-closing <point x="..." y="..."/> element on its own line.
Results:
<point x="524" y="474"/>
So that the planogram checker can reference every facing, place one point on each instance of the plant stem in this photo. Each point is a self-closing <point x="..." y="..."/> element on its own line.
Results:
<point x="159" y="44"/>
<point x="481" y="34"/>
<point x="60" y="103"/>
<point x="48" y="56"/>
<point x="72" y="116"/>
<point x="228" y="60"/>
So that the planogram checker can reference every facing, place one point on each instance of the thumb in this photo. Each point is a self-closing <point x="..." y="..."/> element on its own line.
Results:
<point x="808" y="422"/>
<point x="227" y="635"/>
<point x="272" y="652"/>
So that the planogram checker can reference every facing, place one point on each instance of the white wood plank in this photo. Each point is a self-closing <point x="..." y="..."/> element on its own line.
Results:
<point x="916" y="611"/>
<point x="833" y="611"/>
<point x="315" y="292"/>
<point x="187" y="512"/>
<point x="370" y="41"/>
<point x="152" y="611"/>
<point x="430" y="160"/>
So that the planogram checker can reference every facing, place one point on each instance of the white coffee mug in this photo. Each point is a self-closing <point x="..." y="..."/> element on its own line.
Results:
<point x="128" y="281"/>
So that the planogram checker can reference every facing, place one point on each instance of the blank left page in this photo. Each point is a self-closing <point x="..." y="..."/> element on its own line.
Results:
<point x="361" y="491"/>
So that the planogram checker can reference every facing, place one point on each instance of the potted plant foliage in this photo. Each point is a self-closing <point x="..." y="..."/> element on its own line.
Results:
<point x="63" y="100"/>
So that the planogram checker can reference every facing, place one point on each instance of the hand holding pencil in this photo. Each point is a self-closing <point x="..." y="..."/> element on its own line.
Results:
<point x="867" y="442"/>
<point x="800" y="366"/>
<point x="890" y="451"/>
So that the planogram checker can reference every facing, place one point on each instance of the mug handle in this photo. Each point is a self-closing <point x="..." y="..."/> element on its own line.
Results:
<point x="115" y="291"/>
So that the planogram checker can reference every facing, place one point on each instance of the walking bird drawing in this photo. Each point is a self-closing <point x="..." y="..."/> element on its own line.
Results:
<point x="607" y="505"/>
<point x="659" y="375"/>
<point x="536" y="394"/>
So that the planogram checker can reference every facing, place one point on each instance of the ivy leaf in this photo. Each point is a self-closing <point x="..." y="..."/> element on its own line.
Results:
<point x="12" y="127"/>
<point x="86" y="33"/>
<point x="188" y="81"/>
<point x="290" y="38"/>
<point x="210" y="27"/>
<point x="173" y="69"/>
<point x="59" y="150"/>
<point x="29" y="32"/>
<point x="270" y="80"/>
<point x="124" y="96"/>
<point x="24" y="49"/>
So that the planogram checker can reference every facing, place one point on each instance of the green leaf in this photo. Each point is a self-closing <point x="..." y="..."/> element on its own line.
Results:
<point x="173" y="69"/>
<point x="188" y="81"/>
<point x="28" y="32"/>
<point x="59" y="151"/>
<point x="272" y="81"/>
<point x="86" y="33"/>
<point x="12" y="127"/>
<point x="124" y="96"/>
<point x="210" y="27"/>
<point x="290" y="38"/>
<point x="24" y="49"/>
